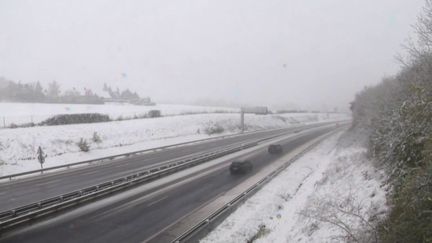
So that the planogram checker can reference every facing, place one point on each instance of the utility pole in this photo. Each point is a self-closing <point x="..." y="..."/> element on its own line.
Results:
<point x="242" y="126"/>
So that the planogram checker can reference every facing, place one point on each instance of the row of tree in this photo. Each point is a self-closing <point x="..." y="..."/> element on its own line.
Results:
<point x="117" y="94"/>
<point x="397" y="116"/>
<point x="35" y="92"/>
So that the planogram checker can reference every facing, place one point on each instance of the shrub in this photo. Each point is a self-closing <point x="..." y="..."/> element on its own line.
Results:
<point x="96" y="138"/>
<point x="347" y="214"/>
<point x="75" y="119"/>
<point x="214" y="129"/>
<point x="410" y="219"/>
<point x="154" y="113"/>
<point x="24" y="125"/>
<point x="83" y="145"/>
<point x="262" y="232"/>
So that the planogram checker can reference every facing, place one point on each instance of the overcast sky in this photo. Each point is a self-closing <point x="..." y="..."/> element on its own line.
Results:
<point x="303" y="53"/>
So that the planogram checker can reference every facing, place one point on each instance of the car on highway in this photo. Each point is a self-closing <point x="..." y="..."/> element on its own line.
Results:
<point x="275" y="149"/>
<point x="240" y="167"/>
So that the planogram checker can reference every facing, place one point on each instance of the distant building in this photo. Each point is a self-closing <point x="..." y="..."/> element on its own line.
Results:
<point x="143" y="101"/>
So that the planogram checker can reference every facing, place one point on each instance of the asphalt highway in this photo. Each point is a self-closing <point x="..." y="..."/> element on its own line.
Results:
<point x="143" y="212"/>
<point x="25" y="191"/>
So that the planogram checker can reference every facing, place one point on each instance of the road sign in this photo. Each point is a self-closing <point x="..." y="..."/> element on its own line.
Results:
<point x="260" y="110"/>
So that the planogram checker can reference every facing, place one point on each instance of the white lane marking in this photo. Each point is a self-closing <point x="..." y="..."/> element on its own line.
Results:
<point x="90" y="172"/>
<point x="152" y="195"/>
<point x="48" y="182"/>
<point x="121" y="165"/>
<point x="157" y="201"/>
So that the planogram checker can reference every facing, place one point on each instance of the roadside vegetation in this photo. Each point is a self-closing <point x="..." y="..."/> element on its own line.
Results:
<point x="83" y="145"/>
<point x="80" y="118"/>
<point x="214" y="128"/>
<point x="397" y="117"/>
<point x="67" y="119"/>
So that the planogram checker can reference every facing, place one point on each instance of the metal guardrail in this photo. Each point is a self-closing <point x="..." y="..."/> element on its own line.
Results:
<point x="15" y="217"/>
<point x="191" y="234"/>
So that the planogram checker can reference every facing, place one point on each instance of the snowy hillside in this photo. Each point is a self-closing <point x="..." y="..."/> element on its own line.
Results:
<point x="331" y="194"/>
<point x="18" y="146"/>
<point x="19" y="113"/>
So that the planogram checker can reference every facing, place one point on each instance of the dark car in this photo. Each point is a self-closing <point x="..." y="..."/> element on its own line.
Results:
<point x="275" y="149"/>
<point x="240" y="167"/>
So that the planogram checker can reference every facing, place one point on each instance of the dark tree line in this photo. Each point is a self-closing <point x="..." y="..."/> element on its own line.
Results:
<point x="117" y="94"/>
<point x="35" y="92"/>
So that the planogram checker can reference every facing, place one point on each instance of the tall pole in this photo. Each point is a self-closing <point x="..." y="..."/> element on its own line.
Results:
<point x="242" y="126"/>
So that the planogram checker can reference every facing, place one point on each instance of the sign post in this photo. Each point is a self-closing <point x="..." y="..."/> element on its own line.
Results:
<point x="259" y="110"/>
<point x="242" y="121"/>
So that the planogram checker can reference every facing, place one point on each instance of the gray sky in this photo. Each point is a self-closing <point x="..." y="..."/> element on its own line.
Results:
<point x="304" y="53"/>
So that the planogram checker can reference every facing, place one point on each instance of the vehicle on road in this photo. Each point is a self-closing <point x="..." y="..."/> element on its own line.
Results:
<point x="275" y="149"/>
<point x="240" y="167"/>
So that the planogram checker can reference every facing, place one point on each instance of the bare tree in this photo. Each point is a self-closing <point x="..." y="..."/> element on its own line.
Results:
<point x="53" y="89"/>
<point x="347" y="215"/>
<point x="41" y="156"/>
<point x="422" y="43"/>
<point x="423" y="27"/>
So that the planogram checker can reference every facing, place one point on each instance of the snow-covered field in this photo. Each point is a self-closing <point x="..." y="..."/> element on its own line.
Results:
<point x="18" y="146"/>
<point x="21" y="113"/>
<point x="332" y="194"/>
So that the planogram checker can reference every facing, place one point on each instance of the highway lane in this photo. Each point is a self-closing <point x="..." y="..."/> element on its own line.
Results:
<point x="142" y="214"/>
<point x="24" y="191"/>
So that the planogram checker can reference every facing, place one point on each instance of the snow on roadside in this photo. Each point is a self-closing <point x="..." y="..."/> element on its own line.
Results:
<point x="329" y="195"/>
<point x="18" y="146"/>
